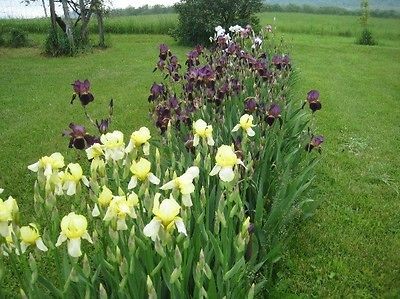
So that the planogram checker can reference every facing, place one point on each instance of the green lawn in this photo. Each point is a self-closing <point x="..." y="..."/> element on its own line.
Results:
<point x="350" y="248"/>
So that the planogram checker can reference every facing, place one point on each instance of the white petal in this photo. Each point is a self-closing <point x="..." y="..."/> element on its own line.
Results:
<point x="87" y="237"/>
<point x="226" y="174"/>
<point x="34" y="167"/>
<point x="193" y="172"/>
<point x="61" y="239"/>
<point x="153" y="179"/>
<point x="95" y="211"/>
<point x="109" y="214"/>
<point x="210" y="141"/>
<point x="23" y="246"/>
<point x="129" y="148"/>
<point x="187" y="200"/>
<point x="196" y="140"/>
<point x="146" y="149"/>
<point x="40" y="245"/>
<point x="235" y="128"/>
<point x="180" y="226"/>
<point x="48" y="171"/>
<point x="4" y="228"/>
<point x="152" y="228"/>
<point x="117" y="154"/>
<point x="215" y="170"/>
<point x="71" y="188"/>
<point x="121" y="224"/>
<point x="74" y="247"/>
<point x="133" y="182"/>
<point x="167" y="186"/>
<point x="85" y="181"/>
<point x="250" y="132"/>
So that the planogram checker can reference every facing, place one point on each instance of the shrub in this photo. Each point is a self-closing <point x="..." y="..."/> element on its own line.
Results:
<point x="57" y="44"/>
<point x="2" y="40"/>
<point x="18" y="39"/>
<point x="198" y="18"/>
<point x="366" y="38"/>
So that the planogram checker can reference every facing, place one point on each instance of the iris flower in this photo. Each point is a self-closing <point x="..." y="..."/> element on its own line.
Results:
<point x="82" y="90"/>
<point x="202" y="130"/>
<point x="71" y="177"/>
<point x="8" y="212"/>
<point x="184" y="184"/>
<point x="48" y="164"/>
<point x="165" y="218"/>
<point x="120" y="207"/>
<point x="29" y="235"/>
<point x="114" y="146"/>
<point x="94" y="153"/>
<point x="140" y="138"/>
<point x="246" y="123"/>
<point x="225" y="159"/>
<point x="73" y="229"/>
<point x="104" y="200"/>
<point x="141" y="171"/>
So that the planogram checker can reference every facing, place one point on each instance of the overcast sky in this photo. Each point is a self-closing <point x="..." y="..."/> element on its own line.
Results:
<point x="14" y="8"/>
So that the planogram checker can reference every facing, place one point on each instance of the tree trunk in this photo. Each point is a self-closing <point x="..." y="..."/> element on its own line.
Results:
<point x="85" y="17"/>
<point x="100" y="23"/>
<point x="53" y="15"/>
<point x="44" y="8"/>
<point x="68" y="23"/>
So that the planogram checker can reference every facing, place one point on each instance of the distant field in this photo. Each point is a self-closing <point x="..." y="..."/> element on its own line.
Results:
<point x="347" y="26"/>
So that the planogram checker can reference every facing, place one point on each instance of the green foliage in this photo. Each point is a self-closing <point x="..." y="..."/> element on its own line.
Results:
<point x="2" y="40"/>
<point x="366" y="38"/>
<point x="198" y="18"/>
<point x="57" y="44"/>
<point x="17" y="39"/>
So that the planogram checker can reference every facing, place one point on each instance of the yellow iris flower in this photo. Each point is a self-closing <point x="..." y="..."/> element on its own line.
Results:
<point x="140" y="138"/>
<point x="246" y="123"/>
<point x="141" y="171"/>
<point x="202" y="130"/>
<point x="225" y="159"/>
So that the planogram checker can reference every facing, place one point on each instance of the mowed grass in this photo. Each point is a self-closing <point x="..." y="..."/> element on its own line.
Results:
<point x="350" y="248"/>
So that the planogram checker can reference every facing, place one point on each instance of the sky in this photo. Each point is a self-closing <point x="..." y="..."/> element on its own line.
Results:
<point x="14" y="8"/>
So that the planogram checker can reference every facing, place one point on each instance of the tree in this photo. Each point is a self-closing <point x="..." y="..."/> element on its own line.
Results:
<point x="77" y="32"/>
<point x="198" y="18"/>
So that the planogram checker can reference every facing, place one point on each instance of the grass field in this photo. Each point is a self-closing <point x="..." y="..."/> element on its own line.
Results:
<point x="300" y="23"/>
<point x="350" y="248"/>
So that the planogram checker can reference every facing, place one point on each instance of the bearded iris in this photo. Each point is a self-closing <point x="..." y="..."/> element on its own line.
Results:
<point x="8" y="212"/>
<point x="82" y="90"/>
<point x="104" y="200"/>
<point x="94" y="153"/>
<point x="165" y="218"/>
<point x="184" y="184"/>
<point x="48" y="164"/>
<point x="29" y="235"/>
<point x="72" y="177"/>
<point x="113" y="145"/>
<point x="246" y="123"/>
<point x="139" y="139"/>
<point x="141" y="172"/>
<point x="225" y="159"/>
<point x="201" y="129"/>
<point x="120" y="207"/>
<point x="73" y="229"/>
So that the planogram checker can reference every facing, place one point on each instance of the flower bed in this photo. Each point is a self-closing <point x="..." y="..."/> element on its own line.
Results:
<point x="202" y="211"/>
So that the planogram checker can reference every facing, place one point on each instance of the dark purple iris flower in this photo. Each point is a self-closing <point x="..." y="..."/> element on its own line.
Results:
<point x="193" y="58"/>
<point x="315" y="143"/>
<point x="250" y="105"/>
<point x="273" y="113"/>
<point x="82" y="90"/>
<point x="79" y="139"/>
<point x="206" y="74"/>
<point x="281" y="62"/>
<point x="313" y="100"/>
<point x="173" y="102"/>
<point x="164" y="52"/>
<point x="156" y="91"/>
<point x="160" y="65"/>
